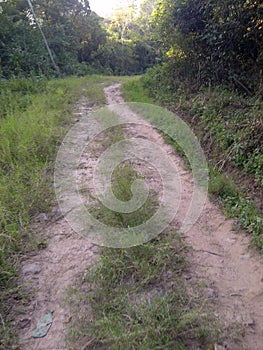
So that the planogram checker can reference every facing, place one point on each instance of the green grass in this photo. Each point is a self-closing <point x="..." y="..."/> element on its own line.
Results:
<point x="122" y="179"/>
<point x="230" y="129"/>
<point x="34" y="118"/>
<point x="16" y="95"/>
<point x="237" y="206"/>
<point x="138" y="300"/>
<point x="133" y="91"/>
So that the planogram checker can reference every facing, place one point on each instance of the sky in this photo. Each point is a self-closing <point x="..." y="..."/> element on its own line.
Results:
<point x="105" y="7"/>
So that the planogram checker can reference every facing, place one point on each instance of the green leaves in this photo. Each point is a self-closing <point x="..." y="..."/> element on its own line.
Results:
<point x="222" y="41"/>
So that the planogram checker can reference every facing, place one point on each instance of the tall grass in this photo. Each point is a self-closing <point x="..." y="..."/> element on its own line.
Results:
<point x="34" y="117"/>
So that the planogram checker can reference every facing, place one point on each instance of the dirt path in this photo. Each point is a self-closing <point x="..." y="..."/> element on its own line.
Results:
<point x="219" y="257"/>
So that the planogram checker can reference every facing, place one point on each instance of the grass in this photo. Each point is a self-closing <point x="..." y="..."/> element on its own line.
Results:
<point x="135" y="307"/>
<point x="34" y="118"/>
<point x="137" y="299"/>
<point x="133" y="91"/>
<point x="229" y="127"/>
<point x="237" y="206"/>
<point x="122" y="179"/>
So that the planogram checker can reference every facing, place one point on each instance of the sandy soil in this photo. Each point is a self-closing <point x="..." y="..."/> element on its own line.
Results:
<point x="219" y="257"/>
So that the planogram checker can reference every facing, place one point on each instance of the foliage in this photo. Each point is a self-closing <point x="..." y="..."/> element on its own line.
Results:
<point x="237" y="206"/>
<point x="230" y="125"/>
<point x="209" y="43"/>
<point x="129" y="49"/>
<point x="235" y="125"/>
<point x="80" y="41"/>
<point x="21" y="49"/>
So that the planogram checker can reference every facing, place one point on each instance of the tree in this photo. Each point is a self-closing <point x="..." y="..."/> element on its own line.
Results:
<point x="60" y="20"/>
<point x="121" y="21"/>
<point x="21" y="47"/>
<point x="78" y="39"/>
<point x="91" y="35"/>
<point x="72" y="34"/>
<point x="144" y="19"/>
<point x="212" y="42"/>
<point x="60" y="11"/>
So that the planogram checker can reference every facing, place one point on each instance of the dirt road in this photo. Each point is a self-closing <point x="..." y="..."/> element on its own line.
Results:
<point x="219" y="257"/>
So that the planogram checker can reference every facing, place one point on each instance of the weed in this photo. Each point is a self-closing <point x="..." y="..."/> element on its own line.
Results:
<point x="221" y="186"/>
<point x="122" y="179"/>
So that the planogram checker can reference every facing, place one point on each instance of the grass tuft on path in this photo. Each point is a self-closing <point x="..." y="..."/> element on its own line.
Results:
<point x="138" y="298"/>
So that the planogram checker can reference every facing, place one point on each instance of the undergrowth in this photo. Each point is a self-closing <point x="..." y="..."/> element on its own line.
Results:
<point x="230" y="128"/>
<point x="237" y="206"/>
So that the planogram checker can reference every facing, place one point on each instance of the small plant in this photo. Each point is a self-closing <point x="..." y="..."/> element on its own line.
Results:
<point x="221" y="186"/>
<point x="122" y="179"/>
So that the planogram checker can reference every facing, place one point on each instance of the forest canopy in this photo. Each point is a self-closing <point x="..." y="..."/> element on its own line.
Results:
<point x="80" y="41"/>
<point x="196" y="41"/>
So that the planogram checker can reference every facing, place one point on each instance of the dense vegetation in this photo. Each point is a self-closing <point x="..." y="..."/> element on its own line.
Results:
<point x="200" y="42"/>
<point x="80" y="41"/>
<point x="211" y="42"/>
